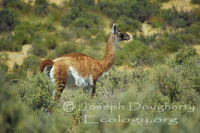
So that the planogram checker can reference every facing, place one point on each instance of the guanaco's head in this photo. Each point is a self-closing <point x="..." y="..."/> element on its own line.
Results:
<point x="120" y="35"/>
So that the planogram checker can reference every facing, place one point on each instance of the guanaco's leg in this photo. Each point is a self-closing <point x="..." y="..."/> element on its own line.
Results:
<point x="58" y="92"/>
<point x="88" y="90"/>
<point x="94" y="89"/>
<point x="60" y="75"/>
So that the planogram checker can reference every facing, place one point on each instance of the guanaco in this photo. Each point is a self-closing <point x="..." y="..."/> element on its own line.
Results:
<point x="80" y="70"/>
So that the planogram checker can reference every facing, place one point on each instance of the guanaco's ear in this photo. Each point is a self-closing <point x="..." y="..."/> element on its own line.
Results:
<point x="114" y="29"/>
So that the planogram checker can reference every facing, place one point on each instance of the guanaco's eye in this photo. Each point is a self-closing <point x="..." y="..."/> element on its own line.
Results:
<point x="122" y="35"/>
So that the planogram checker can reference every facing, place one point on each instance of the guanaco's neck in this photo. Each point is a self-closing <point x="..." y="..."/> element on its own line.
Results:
<point x="109" y="57"/>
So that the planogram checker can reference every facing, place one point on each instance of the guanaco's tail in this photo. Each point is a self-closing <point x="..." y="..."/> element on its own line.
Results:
<point x="44" y="64"/>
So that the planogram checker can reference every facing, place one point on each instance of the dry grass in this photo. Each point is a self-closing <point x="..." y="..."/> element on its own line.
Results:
<point x="197" y="47"/>
<point x="180" y="4"/>
<point x="17" y="57"/>
<point x="58" y="2"/>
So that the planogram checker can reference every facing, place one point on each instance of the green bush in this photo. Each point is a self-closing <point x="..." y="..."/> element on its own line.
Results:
<point x="79" y="18"/>
<point x="195" y="1"/>
<point x="113" y="13"/>
<point x="128" y="24"/>
<point x="8" y="20"/>
<point x="21" y="37"/>
<point x="180" y="76"/>
<point x="169" y="43"/>
<point x="36" y="92"/>
<point x="65" y="49"/>
<point x="163" y="0"/>
<point x="32" y="63"/>
<point x="185" y="54"/>
<point x="168" y="83"/>
<point x="42" y="10"/>
<point x="40" y="2"/>
<point x="195" y="30"/>
<point x="16" y="75"/>
<point x="3" y="59"/>
<point x="16" y="4"/>
<point x="82" y="3"/>
<point x="12" y="110"/>
<point x="3" y="67"/>
<point x="137" y="10"/>
<point x="135" y="51"/>
<point x="39" y="48"/>
<point x="149" y="40"/>
<point x="177" y="19"/>
<point x="143" y="10"/>
<point x="7" y="43"/>
<point x="51" y="41"/>
<point x="33" y="31"/>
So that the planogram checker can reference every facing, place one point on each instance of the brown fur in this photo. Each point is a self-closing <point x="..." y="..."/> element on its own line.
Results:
<point x="45" y="63"/>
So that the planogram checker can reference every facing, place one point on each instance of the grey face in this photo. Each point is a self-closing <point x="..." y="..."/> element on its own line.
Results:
<point x="122" y="36"/>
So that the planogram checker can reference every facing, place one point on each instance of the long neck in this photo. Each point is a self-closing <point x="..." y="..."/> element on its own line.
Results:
<point x="110" y="55"/>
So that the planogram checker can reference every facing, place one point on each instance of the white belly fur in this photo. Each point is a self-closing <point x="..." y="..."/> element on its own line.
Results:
<point x="74" y="79"/>
<point x="52" y="74"/>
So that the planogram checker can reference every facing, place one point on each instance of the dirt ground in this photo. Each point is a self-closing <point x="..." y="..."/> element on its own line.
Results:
<point x="179" y="4"/>
<point x="58" y="2"/>
<point x="17" y="57"/>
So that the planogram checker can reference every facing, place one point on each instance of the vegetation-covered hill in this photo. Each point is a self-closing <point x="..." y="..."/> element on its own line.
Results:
<point x="165" y="98"/>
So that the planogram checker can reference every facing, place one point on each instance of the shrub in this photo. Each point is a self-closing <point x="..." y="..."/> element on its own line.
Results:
<point x="149" y="40"/>
<point x="7" y="43"/>
<point x="8" y="20"/>
<point x="12" y="110"/>
<point x="3" y="67"/>
<point x="16" y="4"/>
<point x="179" y="76"/>
<point x="21" y="37"/>
<point x="113" y="13"/>
<point x="156" y="21"/>
<point x="40" y="2"/>
<point x="32" y="63"/>
<point x="74" y="13"/>
<point x="36" y="92"/>
<point x="195" y="1"/>
<point x="82" y="3"/>
<point x="3" y="59"/>
<point x="135" y="51"/>
<point x="137" y="10"/>
<point x="42" y="10"/>
<point x="82" y="23"/>
<point x="163" y="0"/>
<point x="168" y="83"/>
<point x="51" y="41"/>
<point x="143" y="10"/>
<point x="39" y="48"/>
<point x="79" y="18"/>
<point x="169" y="43"/>
<point x="66" y="49"/>
<point x="190" y="71"/>
<point x="177" y="19"/>
<point x="42" y="7"/>
<point x="14" y="77"/>
<point x="185" y="54"/>
<point x="128" y="24"/>
<point x="195" y="30"/>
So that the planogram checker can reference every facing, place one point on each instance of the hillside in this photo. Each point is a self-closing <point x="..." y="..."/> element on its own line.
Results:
<point x="154" y="85"/>
<point x="147" y="30"/>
